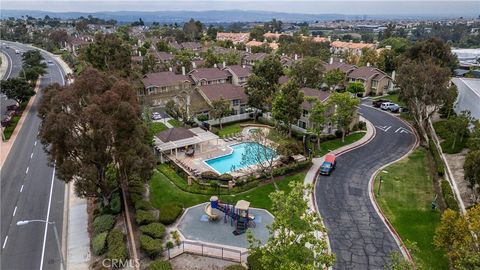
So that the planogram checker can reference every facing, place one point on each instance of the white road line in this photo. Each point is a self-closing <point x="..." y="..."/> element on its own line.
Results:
<point x="14" y="211"/>
<point x="47" y="219"/>
<point x="31" y="155"/>
<point x="35" y="144"/>
<point x="21" y="189"/>
<point x="26" y="171"/>
<point x="5" y="242"/>
<point x="389" y="127"/>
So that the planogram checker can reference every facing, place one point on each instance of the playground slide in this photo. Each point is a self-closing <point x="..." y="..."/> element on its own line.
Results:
<point x="209" y="212"/>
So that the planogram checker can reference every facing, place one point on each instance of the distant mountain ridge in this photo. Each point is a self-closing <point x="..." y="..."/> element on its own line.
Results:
<point x="208" y="16"/>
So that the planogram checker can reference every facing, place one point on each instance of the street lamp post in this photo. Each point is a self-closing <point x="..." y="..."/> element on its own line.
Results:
<point x="25" y="222"/>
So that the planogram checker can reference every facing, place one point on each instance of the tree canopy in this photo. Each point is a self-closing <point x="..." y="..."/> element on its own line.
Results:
<point x="345" y="109"/>
<point x="287" y="109"/>
<point x="17" y="89"/>
<point x="308" y="72"/>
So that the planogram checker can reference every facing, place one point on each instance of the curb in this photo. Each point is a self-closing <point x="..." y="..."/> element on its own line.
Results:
<point x="371" y="184"/>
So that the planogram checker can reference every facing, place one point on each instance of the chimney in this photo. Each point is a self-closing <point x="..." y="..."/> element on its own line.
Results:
<point x="224" y="64"/>
<point x="215" y="65"/>
<point x="194" y="65"/>
<point x="329" y="38"/>
<point x="183" y="70"/>
<point x="368" y="64"/>
<point x="295" y="57"/>
<point x="393" y="75"/>
<point x="331" y="60"/>
<point x="350" y="41"/>
<point x="341" y="60"/>
<point x="170" y="69"/>
<point x="243" y="66"/>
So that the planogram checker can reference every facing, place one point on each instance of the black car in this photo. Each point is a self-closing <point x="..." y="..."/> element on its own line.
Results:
<point x="378" y="102"/>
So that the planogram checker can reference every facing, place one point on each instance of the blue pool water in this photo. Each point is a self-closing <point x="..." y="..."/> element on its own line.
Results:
<point x="236" y="160"/>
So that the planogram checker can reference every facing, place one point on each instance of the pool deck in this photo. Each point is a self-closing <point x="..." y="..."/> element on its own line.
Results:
<point x="195" y="226"/>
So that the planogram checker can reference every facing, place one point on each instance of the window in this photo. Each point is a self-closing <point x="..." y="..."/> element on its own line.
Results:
<point x="151" y="90"/>
<point x="236" y="102"/>
<point x="302" y="124"/>
<point x="305" y="113"/>
<point x="374" y="83"/>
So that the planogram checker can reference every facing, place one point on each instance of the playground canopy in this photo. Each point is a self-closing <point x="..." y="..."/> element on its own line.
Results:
<point x="242" y="205"/>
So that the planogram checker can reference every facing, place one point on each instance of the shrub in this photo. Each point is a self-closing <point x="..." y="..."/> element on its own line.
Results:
<point x="160" y="265"/>
<point x="103" y="223"/>
<point x="253" y="261"/>
<point x="155" y="230"/>
<point x="116" y="203"/>
<point x="169" y="245"/>
<point x="448" y="196"/>
<point x="436" y="158"/>
<point x="137" y="190"/>
<point x="292" y="167"/>
<point x="144" y="217"/>
<point x="170" y="212"/>
<point x="235" y="267"/>
<point x="225" y="177"/>
<point x="99" y="244"/>
<point x="202" y="117"/>
<point x="209" y="175"/>
<point x="143" y="205"/>
<point x="136" y="197"/>
<point x="176" y="237"/>
<point x="152" y="247"/>
<point x="117" y="249"/>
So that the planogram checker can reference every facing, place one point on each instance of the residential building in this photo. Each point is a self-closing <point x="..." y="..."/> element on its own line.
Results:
<point x="239" y="74"/>
<point x="338" y="47"/>
<point x="163" y="57"/>
<point x="234" y="37"/>
<point x="235" y="94"/>
<point x="319" y="95"/>
<point x="207" y="76"/>
<point x="249" y="59"/>
<point x="193" y="46"/>
<point x="375" y="81"/>
<point x="254" y="43"/>
<point x="76" y="42"/>
<point x="161" y="87"/>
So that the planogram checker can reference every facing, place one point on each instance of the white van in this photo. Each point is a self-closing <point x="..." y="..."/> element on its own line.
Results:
<point x="386" y="106"/>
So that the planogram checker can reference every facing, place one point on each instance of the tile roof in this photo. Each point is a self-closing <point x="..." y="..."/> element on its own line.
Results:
<point x="283" y="79"/>
<point x="208" y="74"/>
<point x="191" y="45"/>
<point x="351" y="45"/>
<point x="165" y="78"/>
<point x="318" y="94"/>
<point x="344" y="67"/>
<point x="227" y="91"/>
<point x="239" y="71"/>
<point x="367" y="73"/>
<point x="164" y="56"/>
<point x="235" y="37"/>
<point x="254" y="56"/>
<point x="175" y="134"/>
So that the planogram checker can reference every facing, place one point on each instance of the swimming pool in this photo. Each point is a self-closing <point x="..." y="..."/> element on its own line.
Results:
<point x="235" y="161"/>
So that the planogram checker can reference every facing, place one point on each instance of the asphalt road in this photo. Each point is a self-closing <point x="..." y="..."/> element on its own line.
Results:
<point x="357" y="235"/>
<point x="29" y="190"/>
<point x="14" y="68"/>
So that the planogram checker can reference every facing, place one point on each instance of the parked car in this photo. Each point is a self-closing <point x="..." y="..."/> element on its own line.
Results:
<point x="50" y="61"/>
<point x="12" y="107"/>
<point x="156" y="116"/>
<point x="17" y="51"/>
<point x="5" y="122"/>
<point x="328" y="165"/>
<point x="377" y="103"/>
<point x="386" y="106"/>
<point x="394" y="108"/>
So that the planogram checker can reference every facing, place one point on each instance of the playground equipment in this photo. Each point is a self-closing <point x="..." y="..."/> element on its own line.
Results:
<point x="237" y="214"/>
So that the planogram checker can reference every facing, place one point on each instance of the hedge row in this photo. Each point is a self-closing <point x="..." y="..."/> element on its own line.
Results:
<point x="103" y="223"/>
<point x="152" y="247"/>
<point x="292" y="168"/>
<point x="144" y="217"/>
<point x="235" y="267"/>
<point x="436" y="158"/>
<point x="160" y="265"/>
<point x="155" y="230"/>
<point x="99" y="243"/>
<point x="117" y="250"/>
<point x="448" y="196"/>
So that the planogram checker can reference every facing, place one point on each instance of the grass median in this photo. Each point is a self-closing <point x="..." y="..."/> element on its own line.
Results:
<point x="405" y="197"/>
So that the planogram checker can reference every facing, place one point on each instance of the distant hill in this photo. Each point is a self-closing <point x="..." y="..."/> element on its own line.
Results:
<point x="210" y="16"/>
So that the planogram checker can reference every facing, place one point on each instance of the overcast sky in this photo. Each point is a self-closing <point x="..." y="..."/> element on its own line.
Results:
<point x="453" y="8"/>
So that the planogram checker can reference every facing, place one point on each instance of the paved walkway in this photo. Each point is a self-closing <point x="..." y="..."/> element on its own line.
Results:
<point x="4" y="66"/>
<point x="78" y="243"/>
<point x="164" y="121"/>
<point x="317" y="162"/>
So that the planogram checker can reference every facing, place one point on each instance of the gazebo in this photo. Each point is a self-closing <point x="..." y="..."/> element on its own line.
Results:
<point x="176" y="138"/>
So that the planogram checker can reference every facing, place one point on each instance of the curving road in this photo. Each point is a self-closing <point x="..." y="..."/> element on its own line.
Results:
<point x="357" y="235"/>
<point x="29" y="189"/>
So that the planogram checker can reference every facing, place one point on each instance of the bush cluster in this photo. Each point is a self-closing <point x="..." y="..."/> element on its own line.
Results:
<point x="99" y="243"/>
<point x="103" y="223"/>
<point x="151" y="246"/>
<point x="235" y="267"/>
<point x="117" y="249"/>
<point x="170" y="212"/>
<point x="292" y="168"/>
<point x="253" y="262"/>
<point x="448" y="196"/>
<point x="436" y="158"/>
<point x="160" y="265"/>
<point x="116" y="203"/>
<point x="144" y="217"/>
<point x="143" y="205"/>
<point x="155" y="230"/>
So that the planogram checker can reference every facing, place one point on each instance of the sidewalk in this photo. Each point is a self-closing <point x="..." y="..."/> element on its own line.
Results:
<point x="4" y="66"/>
<point x="317" y="162"/>
<point x="78" y="242"/>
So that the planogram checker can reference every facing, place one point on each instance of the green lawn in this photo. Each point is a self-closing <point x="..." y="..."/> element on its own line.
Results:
<point x="405" y="198"/>
<point x="8" y="131"/>
<point x="163" y="191"/>
<point x="447" y="143"/>
<point x="175" y="122"/>
<point x="337" y="143"/>
<point x="229" y="129"/>
<point x="157" y="127"/>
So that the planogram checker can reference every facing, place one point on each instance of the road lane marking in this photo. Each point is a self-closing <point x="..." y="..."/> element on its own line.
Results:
<point x="35" y="144"/>
<point x="5" y="242"/>
<point x="26" y="172"/>
<point x="21" y="189"/>
<point x="402" y="130"/>
<point x="14" y="211"/>
<point x="384" y="128"/>
<point x="47" y="219"/>
<point x="31" y="155"/>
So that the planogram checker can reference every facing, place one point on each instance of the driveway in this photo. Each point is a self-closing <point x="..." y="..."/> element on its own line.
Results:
<point x="357" y="235"/>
